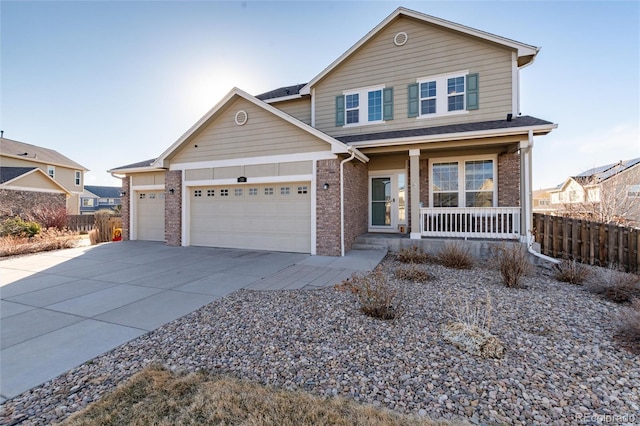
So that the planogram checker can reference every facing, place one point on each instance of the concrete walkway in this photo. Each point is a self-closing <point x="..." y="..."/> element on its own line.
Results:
<point x="60" y="309"/>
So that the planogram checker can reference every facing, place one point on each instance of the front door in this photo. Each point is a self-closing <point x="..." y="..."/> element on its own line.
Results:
<point x="387" y="205"/>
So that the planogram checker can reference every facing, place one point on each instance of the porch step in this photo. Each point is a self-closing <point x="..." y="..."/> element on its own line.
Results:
<point x="364" y="246"/>
<point x="373" y="242"/>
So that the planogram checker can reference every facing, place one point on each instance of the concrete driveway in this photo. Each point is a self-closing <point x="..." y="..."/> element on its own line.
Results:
<point x="60" y="309"/>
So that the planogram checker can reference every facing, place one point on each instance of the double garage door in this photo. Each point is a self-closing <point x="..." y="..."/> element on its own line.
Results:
<point x="263" y="217"/>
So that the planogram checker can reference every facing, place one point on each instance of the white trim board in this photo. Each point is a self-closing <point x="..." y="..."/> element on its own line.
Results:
<point x="250" y="161"/>
<point x="256" y="180"/>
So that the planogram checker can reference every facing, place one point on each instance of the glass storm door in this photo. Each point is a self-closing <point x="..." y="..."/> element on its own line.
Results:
<point x="387" y="207"/>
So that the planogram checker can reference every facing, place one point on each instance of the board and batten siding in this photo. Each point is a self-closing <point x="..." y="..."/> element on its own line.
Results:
<point x="429" y="51"/>
<point x="149" y="178"/>
<point x="297" y="108"/>
<point x="263" y="134"/>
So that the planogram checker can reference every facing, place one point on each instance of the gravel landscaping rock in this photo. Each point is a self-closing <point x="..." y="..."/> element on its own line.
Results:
<point x="560" y="364"/>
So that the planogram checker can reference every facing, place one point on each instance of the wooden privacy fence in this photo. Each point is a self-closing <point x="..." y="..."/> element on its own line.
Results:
<point x="105" y="225"/>
<point x="588" y="242"/>
<point x="80" y="223"/>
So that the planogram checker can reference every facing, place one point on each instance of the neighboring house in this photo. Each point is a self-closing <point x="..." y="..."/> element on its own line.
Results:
<point x="609" y="194"/>
<point x="542" y="201"/>
<point x="97" y="198"/>
<point x="36" y="173"/>
<point x="416" y="128"/>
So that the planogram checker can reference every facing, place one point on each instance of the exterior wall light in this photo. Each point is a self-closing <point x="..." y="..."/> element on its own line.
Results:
<point x="325" y="186"/>
<point x="123" y="193"/>
<point x="171" y="191"/>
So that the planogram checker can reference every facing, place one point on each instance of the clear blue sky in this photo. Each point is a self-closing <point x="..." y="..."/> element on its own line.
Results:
<point x="112" y="83"/>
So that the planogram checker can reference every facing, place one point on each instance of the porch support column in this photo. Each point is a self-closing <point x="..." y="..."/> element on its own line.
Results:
<point x="414" y="167"/>
<point x="526" y="192"/>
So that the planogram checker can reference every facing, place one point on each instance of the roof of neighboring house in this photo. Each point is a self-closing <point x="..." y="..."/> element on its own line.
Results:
<point x="104" y="191"/>
<point x="523" y="121"/>
<point x="542" y="193"/>
<point x="139" y="164"/>
<point x="602" y="173"/>
<point x="88" y="194"/>
<point x="25" y="151"/>
<point x="10" y="173"/>
<point x="281" y="92"/>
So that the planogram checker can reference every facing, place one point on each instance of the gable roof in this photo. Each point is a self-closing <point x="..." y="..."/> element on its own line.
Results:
<point x="10" y="175"/>
<point x="601" y="173"/>
<point x="526" y="53"/>
<point x="104" y="191"/>
<point x="38" y="154"/>
<point x="337" y="147"/>
<point x="140" y="166"/>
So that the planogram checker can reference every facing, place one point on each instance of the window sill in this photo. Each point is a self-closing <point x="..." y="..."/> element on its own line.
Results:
<point x="445" y="114"/>
<point x="369" y="123"/>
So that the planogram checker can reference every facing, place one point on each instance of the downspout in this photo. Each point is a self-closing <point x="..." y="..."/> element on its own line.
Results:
<point x="528" y="164"/>
<point x="346" y="160"/>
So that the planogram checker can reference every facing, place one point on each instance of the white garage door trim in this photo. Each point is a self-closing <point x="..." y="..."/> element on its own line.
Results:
<point x="244" y="208"/>
<point x="133" y="206"/>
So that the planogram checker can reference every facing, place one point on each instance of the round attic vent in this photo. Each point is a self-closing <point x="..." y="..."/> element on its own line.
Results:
<point x="400" y="39"/>
<point x="241" y="117"/>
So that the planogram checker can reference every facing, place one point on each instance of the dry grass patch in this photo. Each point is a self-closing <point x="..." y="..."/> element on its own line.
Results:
<point x="616" y="286"/>
<point x="628" y="334"/>
<point x="49" y="239"/>
<point x="570" y="271"/>
<point x="156" y="396"/>
<point x="455" y="255"/>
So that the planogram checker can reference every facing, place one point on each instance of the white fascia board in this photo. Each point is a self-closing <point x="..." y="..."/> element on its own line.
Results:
<point x="253" y="180"/>
<point x="453" y="136"/>
<point x="147" y="188"/>
<point x="250" y="161"/>
<point x="521" y="48"/>
<point x="137" y="170"/>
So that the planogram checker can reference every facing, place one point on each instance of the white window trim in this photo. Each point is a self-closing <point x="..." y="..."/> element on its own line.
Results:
<point x="77" y="177"/>
<point x="442" y="97"/>
<point x="462" y="193"/>
<point x="363" y="107"/>
<point x="51" y="171"/>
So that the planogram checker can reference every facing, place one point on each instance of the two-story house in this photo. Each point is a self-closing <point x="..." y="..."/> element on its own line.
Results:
<point x="97" y="198"/>
<point x="416" y="128"/>
<point x="32" y="176"/>
<point x="608" y="193"/>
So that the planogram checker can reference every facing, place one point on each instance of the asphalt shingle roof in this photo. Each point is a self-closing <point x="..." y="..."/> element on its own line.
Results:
<point x="523" y="121"/>
<point x="145" y="163"/>
<point x="36" y="153"/>
<point x="281" y="92"/>
<point x="104" y="191"/>
<point x="601" y="173"/>
<point x="9" y="173"/>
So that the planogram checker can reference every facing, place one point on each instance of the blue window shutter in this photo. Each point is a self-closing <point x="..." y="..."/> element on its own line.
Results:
<point x="414" y="100"/>
<point x="387" y="103"/>
<point x="473" y="100"/>
<point x="340" y="111"/>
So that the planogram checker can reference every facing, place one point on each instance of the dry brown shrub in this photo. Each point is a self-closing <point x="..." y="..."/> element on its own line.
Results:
<point x="512" y="261"/>
<point x="373" y="292"/>
<point x="615" y="285"/>
<point x="455" y="255"/>
<point x="413" y="272"/>
<point x="571" y="271"/>
<point x="628" y="334"/>
<point x="156" y="396"/>
<point x="49" y="239"/>
<point x="413" y="254"/>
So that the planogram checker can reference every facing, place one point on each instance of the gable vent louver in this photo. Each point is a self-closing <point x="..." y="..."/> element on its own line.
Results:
<point x="400" y="39"/>
<point x="241" y="118"/>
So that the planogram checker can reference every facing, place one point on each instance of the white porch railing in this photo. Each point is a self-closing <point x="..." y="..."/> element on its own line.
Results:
<point x="471" y="222"/>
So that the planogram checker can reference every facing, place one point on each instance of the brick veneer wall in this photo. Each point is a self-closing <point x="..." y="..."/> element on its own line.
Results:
<point x="356" y="199"/>
<point x="23" y="203"/>
<point x="126" y="225"/>
<point x="173" y="208"/>
<point x="328" y="208"/>
<point x="509" y="180"/>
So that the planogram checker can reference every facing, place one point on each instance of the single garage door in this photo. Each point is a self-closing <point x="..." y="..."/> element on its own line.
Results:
<point x="262" y="217"/>
<point x="150" y="216"/>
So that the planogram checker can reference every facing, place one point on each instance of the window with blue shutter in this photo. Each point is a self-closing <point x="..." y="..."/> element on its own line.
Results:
<point x="413" y="96"/>
<point x="387" y="103"/>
